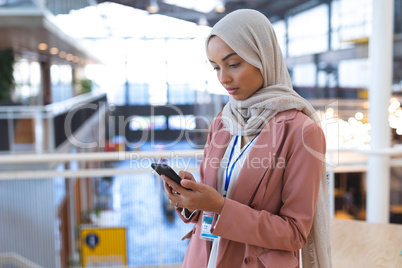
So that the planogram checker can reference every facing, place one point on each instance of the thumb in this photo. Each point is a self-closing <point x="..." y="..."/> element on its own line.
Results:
<point x="193" y="185"/>
<point x="186" y="175"/>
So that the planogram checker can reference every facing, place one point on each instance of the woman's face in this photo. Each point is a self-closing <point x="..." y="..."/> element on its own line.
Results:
<point x="237" y="76"/>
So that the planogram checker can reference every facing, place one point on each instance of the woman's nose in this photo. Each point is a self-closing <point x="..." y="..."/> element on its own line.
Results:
<point x="224" y="77"/>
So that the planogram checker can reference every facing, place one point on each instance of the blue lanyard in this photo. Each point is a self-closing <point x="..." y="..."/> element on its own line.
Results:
<point x="229" y="176"/>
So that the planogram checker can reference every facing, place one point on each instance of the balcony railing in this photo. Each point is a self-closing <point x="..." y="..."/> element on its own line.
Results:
<point x="339" y="161"/>
<point x="42" y="129"/>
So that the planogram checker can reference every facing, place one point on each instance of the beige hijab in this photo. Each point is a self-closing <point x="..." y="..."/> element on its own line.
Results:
<point x="250" y="34"/>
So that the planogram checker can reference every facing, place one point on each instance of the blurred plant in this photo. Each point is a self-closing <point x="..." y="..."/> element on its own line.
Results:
<point x="108" y="179"/>
<point x="86" y="86"/>
<point x="7" y="61"/>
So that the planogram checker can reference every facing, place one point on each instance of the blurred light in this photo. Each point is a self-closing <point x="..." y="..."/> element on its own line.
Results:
<point x="393" y="106"/>
<point x="153" y="7"/>
<point x="54" y="50"/>
<point x="366" y="105"/>
<point x="69" y="57"/>
<point x="393" y="123"/>
<point x="203" y="21"/>
<point x="329" y="113"/>
<point x="395" y="115"/>
<point x="42" y="46"/>
<point x="352" y="121"/>
<point x="62" y="54"/>
<point x="220" y="7"/>
<point x="359" y="116"/>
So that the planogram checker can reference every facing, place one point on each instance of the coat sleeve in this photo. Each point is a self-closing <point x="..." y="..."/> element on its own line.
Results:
<point x="288" y="229"/>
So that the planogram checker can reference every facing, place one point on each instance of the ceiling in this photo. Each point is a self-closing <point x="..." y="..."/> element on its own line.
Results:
<point x="24" y="33"/>
<point x="274" y="9"/>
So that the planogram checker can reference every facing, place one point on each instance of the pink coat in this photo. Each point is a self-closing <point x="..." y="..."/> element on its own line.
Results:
<point x="270" y="213"/>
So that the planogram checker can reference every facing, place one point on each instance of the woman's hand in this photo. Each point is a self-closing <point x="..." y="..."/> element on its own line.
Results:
<point x="202" y="197"/>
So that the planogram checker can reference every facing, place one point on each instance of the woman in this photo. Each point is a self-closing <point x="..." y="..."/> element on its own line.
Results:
<point x="263" y="174"/>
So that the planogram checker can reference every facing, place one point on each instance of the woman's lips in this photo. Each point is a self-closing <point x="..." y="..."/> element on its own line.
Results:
<point x="231" y="91"/>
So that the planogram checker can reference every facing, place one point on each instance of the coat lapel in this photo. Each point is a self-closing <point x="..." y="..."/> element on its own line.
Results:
<point x="219" y="143"/>
<point x="259" y="161"/>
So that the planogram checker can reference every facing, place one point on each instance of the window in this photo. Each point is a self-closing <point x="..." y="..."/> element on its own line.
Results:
<point x="157" y="122"/>
<point x="178" y="122"/>
<point x="308" y="31"/>
<point x="27" y="77"/>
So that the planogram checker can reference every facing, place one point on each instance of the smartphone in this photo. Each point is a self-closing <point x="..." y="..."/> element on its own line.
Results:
<point x="163" y="169"/>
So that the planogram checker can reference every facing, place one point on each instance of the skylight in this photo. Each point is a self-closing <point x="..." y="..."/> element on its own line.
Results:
<point x="204" y="6"/>
<point x="113" y="20"/>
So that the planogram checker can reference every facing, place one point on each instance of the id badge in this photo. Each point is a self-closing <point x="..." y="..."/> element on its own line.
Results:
<point x="207" y="218"/>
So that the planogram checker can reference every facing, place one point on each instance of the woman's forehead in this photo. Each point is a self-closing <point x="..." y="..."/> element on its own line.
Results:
<point x="217" y="46"/>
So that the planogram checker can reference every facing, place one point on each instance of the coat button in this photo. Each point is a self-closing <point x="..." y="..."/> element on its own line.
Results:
<point x="248" y="260"/>
<point x="253" y="205"/>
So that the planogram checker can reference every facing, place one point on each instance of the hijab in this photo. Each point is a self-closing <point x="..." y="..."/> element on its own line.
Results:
<point x="250" y="34"/>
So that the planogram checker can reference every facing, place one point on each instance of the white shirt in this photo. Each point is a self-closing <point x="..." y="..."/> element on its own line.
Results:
<point x="222" y="179"/>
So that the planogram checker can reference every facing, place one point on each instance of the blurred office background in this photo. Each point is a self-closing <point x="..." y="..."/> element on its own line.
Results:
<point x="92" y="92"/>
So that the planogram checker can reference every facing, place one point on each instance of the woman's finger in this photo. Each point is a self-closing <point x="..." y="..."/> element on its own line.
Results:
<point x="174" y="186"/>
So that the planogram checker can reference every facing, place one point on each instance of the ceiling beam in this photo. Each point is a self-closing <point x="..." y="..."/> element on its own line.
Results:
<point x="274" y="9"/>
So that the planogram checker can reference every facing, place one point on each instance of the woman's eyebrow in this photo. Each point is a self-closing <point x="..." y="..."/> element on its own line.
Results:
<point x="226" y="57"/>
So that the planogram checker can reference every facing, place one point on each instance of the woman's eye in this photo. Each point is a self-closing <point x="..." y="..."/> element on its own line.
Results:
<point x="233" y="65"/>
<point x="216" y="68"/>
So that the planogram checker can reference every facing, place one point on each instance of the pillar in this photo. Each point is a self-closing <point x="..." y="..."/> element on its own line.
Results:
<point x="381" y="59"/>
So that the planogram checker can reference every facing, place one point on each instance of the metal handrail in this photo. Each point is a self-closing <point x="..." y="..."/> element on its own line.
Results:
<point x="361" y="164"/>
<point x="80" y="173"/>
<point x="392" y="151"/>
<point x="46" y="115"/>
<point x="95" y="156"/>
<point x="53" y="109"/>
<point x="104" y="156"/>
<point x="108" y="156"/>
